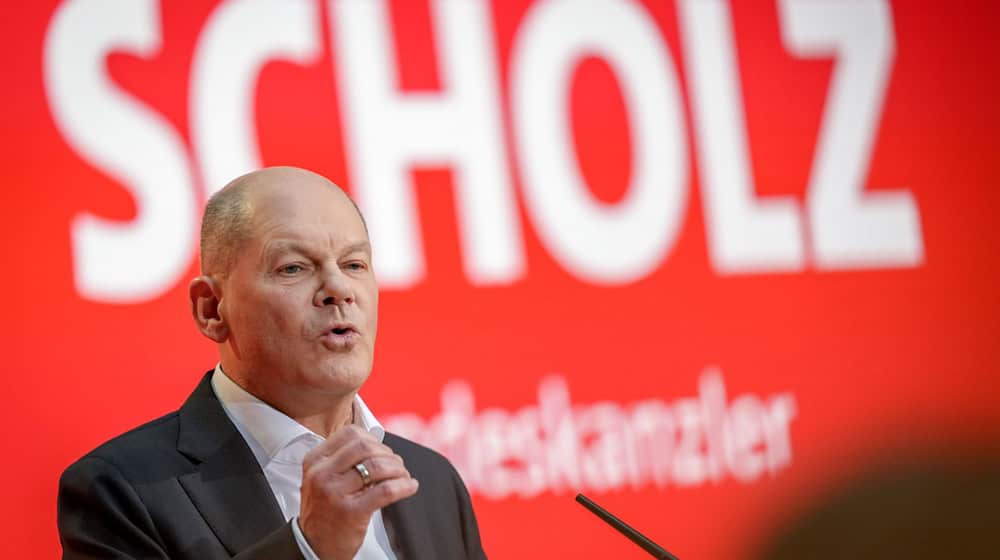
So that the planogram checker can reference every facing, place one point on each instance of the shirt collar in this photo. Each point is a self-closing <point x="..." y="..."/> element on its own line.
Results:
<point x="270" y="429"/>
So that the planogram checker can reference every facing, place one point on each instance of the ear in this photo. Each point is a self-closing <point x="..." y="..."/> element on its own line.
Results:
<point x="205" y="296"/>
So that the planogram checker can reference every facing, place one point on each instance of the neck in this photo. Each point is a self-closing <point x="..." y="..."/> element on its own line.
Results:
<point x="324" y="422"/>
<point x="322" y="413"/>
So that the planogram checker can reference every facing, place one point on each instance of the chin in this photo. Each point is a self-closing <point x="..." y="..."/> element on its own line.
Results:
<point x="341" y="376"/>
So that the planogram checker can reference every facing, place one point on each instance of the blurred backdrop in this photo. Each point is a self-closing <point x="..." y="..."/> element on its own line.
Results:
<point x="711" y="263"/>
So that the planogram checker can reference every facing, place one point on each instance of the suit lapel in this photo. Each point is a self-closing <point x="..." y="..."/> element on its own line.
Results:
<point x="406" y="522"/>
<point x="407" y="531"/>
<point x="228" y="488"/>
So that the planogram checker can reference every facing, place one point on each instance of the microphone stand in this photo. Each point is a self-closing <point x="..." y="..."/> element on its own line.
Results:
<point x="635" y="536"/>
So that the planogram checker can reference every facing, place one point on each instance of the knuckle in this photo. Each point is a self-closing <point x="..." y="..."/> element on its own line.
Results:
<point x="369" y="446"/>
<point x="397" y="466"/>
<point x="391" y="466"/>
<point x="385" y="491"/>
<point x="321" y="483"/>
<point x="397" y="460"/>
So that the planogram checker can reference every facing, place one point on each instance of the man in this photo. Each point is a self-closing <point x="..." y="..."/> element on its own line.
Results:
<point x="274" y="455"/>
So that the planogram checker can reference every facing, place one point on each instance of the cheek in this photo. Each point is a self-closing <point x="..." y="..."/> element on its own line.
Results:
<point x="281" y="308"/>
<point x="266" y="324"/>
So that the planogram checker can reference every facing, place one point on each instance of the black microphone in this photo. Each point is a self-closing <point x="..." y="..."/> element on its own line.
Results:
<point x="635" y="536"/>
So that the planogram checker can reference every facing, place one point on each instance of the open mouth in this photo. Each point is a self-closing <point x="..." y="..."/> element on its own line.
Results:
<point x="342" y="332"/>
<point x="341" y="337"/>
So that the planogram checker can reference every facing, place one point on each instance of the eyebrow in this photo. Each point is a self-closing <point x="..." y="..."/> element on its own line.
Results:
<point x="359" y="247"/>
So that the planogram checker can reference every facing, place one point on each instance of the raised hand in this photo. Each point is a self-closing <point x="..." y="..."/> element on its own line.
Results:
<point x="336" y="503"/>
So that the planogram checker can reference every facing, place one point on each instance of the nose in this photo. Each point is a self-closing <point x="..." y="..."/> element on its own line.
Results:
<point x="335" y="289"/>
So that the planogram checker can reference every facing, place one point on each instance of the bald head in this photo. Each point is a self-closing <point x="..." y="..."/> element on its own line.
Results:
<point x="229" y="214"/>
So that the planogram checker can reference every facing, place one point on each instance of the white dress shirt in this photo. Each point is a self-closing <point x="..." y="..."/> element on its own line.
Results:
<point x="279" y="444"/>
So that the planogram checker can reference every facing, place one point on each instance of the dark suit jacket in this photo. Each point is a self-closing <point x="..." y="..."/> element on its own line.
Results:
<point x="187" y="486"/>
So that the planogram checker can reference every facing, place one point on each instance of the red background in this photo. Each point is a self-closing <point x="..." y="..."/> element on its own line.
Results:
<point x="882" y="362"/>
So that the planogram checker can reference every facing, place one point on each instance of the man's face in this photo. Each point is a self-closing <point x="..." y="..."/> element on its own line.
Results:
<point x="300" y="300"/>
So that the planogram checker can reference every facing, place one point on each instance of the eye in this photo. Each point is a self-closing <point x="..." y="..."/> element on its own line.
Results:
<point x="356" y="266"/>
<point x="290" y="269"/>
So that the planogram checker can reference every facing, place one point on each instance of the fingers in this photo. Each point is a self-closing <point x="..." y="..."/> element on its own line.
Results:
<point x="336" y="505"/>
<point x="357" y="451"/>
<point x="332" y="464"/>
<point x="344" y="449"/>
<point x="348" y="446"/>
<point x="386" y="492"/>
<point x="335" y="524"/>
<point x="382" y="468"/>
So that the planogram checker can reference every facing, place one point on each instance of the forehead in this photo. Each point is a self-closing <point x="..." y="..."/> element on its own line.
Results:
<point x="305" y="211"/>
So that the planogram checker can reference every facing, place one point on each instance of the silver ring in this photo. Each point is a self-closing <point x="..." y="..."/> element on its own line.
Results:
<point x="366" y="477"/>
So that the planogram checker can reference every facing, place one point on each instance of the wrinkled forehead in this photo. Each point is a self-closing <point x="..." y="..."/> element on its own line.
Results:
<point x="304" y="203"/>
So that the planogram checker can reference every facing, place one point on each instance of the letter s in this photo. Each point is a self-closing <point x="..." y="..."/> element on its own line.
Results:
<point x="128" y="141"/>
